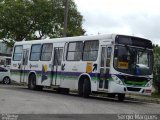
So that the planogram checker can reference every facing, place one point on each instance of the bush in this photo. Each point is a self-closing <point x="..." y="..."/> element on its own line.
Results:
<point x="156" y="82"/>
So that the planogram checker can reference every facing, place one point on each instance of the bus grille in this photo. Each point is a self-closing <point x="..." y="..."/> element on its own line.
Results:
<point x="133" y="89"/>
<point x="133" y="80"/>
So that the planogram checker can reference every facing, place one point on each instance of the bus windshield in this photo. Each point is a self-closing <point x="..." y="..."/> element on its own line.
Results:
<point x="133" y="60"/>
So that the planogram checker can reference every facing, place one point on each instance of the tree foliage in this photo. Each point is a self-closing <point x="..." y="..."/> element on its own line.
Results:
<point x="156" y="67"/>
<point x="35" y="19"/>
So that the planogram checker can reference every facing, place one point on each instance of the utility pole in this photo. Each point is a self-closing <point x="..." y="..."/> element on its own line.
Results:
<point x="65" y="17"/>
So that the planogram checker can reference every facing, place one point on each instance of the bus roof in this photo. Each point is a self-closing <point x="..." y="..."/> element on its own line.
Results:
<point x="65" y="39"/>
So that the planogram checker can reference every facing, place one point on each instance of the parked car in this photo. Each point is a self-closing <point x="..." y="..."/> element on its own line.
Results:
<point x="5" y="75"/>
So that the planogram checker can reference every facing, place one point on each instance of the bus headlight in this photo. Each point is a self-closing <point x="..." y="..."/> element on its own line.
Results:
<point x="117" y="80"/>
<point x="149" y="84"/>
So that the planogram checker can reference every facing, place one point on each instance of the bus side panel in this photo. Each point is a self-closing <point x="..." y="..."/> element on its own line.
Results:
<point x="42" y="70"/>
<point x="70" y="74"/>
<point x="15" y="71"/>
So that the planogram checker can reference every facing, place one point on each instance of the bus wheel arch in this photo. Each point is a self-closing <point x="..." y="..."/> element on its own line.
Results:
<point x="84" y="86"/>
<point x="32" y="82"/>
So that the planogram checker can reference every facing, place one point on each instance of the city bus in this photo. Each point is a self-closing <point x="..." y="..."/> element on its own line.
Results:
<point x="111" y="63"/>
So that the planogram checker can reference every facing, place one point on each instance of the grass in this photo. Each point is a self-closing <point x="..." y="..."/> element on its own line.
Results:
<point x="155" y="95"/>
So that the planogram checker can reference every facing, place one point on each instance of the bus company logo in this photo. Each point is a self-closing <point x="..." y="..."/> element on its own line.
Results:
<point x="35" y="66"/>
<point x="44" y="72"/>
<point x="14" y="65"/>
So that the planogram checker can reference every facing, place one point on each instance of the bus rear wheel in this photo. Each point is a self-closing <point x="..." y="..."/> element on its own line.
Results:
<point x="32" y="82"/>
<point x="84" y="87"/>
<point x="121" y="96"/>
<point x="80" y="88"/>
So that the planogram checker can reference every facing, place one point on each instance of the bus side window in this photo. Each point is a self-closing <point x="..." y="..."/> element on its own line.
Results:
<point x="74" y="51"/>
<point x="35" y="52"/>
<point x="17" y="55"/>
<point x="90" y="51"/>
<point x="46" y="54"/>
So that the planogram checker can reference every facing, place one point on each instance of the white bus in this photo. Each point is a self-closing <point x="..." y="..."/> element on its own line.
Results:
<point x="113" y="64"/>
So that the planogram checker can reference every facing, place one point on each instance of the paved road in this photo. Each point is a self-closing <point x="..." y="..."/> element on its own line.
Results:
<point x="20" y="100"/>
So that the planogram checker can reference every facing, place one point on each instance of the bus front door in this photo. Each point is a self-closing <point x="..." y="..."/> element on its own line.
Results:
<point x="56" y="71"/>
<point x="104" y="67"/>
<point x="24" y="63"/>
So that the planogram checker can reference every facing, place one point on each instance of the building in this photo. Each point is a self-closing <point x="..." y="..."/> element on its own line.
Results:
<point x="4" y="49"/>
<point x="5" y="53"/>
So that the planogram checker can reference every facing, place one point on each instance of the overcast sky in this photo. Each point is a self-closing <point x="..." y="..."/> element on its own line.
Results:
<point x="130" y="17"/>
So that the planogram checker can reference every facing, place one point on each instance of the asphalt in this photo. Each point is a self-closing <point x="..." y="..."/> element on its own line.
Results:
<point x="28" y="104"/>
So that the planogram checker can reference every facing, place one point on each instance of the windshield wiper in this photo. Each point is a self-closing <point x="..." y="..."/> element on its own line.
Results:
<point x="133" y="53"/>
<point x="139" y="55"/>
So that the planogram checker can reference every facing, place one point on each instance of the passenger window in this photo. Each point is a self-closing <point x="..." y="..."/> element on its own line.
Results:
<point x="35" y="52"/>
<point x="46" y="52"/>
<point x="90" y="52"/>
<point x="17" y="56"/>
<point x="74" y="52"/>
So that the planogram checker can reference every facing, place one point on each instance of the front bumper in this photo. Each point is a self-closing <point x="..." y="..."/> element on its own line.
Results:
<point x="117" y="88"/>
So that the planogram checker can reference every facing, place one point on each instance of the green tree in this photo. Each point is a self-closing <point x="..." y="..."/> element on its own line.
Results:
<point x="24" y="19"/>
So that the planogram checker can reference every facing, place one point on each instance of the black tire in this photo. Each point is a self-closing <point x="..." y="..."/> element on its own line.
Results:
<point x="80" y="88"/>
<point x="121" y="97"/>
<point x="6" y="80"/>
<point x="86" y="88"/>
<point x="32" y="82"/>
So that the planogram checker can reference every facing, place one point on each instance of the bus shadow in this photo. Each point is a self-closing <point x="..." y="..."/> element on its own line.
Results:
<point x="75" y="94"/>
<point x="95" y="97"/>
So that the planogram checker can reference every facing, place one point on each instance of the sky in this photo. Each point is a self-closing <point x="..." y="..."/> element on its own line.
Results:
<point x="130" y="17"/>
